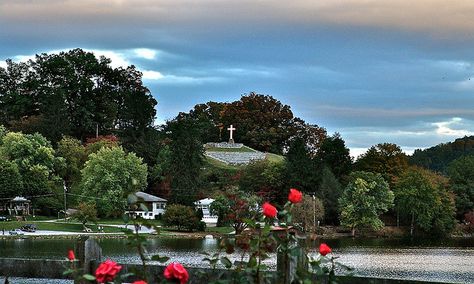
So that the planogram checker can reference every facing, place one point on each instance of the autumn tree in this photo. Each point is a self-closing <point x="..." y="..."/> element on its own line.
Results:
<point x="86" y="212"/>
<point x="386" y="159"/>
<point x="308" y="212"/>
<point x="233" y="207"/>
<point x="363" y="200"/>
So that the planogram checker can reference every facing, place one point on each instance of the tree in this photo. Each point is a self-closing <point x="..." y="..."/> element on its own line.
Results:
<point x="265" y="179"/>
<point x="461" y="176"/>
<point x="307" y="212"/>
<point x="180" y="216"/>
<point x="74" y="155"/>
<point x="386" y="159"/>
<point x="86" y="212"/>
<point x="77" y="93"/>
<point x="186" y="159"/>
<point x="11" y="183"/>
<point x="365" y="197"/>
<point x="35" y="160"/>
<point x="300" y="168"/>
<point x="424" y="198"/>
<point x="109" y="176"/>
<point x="233" y="207"/>
<point x="330" y="191"/>
<point x="334" y="154"/>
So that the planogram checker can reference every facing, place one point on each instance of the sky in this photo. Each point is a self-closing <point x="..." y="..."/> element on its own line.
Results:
<point x="374" y="71"/>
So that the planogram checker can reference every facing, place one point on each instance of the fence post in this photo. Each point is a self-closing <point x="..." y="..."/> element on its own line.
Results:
<point x="288" y="264"/>
<point x="88" y="253"/>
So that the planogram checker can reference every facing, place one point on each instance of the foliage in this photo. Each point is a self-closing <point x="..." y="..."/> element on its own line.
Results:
<point x="184" y="218"/>
<point x="334" y="155"/>
<point x="330" y="192"/>
<point x="461" y="176"/>
<point x="300" y="168"/>
<point x="438" y="158"/>
<point x="35" y="161"/>
<point x="365" y="197"/>
<point x="307" y="212"/>
<point x="186" y="158"/>
<point x="261" y="122"/>
<point x="233" y="207"/>
<point x="109" y="176"/>
<point x="93" y="145"/>
<point x="86" y="212"/>
<point x="265" y="179"/>
<point x="11" y="183"/>
<point x="76" y="92"/>
<point x="74" y="155"/>
<point x="386" y="159"/>
<point x="423" y="198"/>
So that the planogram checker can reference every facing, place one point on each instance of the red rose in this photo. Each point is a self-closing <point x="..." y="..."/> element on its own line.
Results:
<point x="269" y="210"/>
<point x="175" y="271"/>
<point x="70" y="255"/>
<point x="295" y="196"/>
<point x="139" y="282"/>
<point x="324" y="249"/>
<point x="107" y="271"/>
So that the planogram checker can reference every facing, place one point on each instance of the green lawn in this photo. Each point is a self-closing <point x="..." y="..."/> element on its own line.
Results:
<point x="243" y="149"/>
<point x="220" y="230"/>
<point x="275" y="158"/>
<point x="68" y="227"/>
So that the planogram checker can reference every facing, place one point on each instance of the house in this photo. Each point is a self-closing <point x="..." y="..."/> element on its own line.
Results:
<point x="204" y="205"/>
<point x="156" y="206"/>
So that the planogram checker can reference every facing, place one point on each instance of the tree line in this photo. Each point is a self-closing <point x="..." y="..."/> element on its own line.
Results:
<point x="52" y="108"/>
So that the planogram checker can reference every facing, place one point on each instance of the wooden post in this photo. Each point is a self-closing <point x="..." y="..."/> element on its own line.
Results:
<point x="288" y="264"/>
<point x="88" y="253"/>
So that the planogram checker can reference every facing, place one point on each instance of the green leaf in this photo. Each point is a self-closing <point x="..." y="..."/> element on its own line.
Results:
<point x="226" y="262"/>
<point x="88" y="277"/>
<point x="161" y="259"/>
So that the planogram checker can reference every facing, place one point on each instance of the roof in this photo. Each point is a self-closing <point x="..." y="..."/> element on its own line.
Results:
<point x="20" y="199"/>
<point x="148" y="197"/>
<point x="205" y="201"/>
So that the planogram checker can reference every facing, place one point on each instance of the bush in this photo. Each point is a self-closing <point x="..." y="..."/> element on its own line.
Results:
<point x="182" y="217"/>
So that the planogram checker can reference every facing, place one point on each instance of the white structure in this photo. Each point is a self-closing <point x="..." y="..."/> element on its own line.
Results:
<point x="156" y="206"/>
<point x="231" y="129"/>
<point x="204" y="205"/>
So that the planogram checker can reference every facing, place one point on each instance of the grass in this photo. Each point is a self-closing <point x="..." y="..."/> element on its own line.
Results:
<point x="243" y="149"/>
<point x="220" y="230"/>
<point x="274" y="158"/>
<point x="221" y="165"/>
<point x="53" y="226"/>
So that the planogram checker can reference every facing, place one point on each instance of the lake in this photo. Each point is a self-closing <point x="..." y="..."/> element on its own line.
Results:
<point x="428" y="260"/>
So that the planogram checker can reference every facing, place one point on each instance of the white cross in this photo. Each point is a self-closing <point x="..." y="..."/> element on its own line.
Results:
<point x="231" y="129"/>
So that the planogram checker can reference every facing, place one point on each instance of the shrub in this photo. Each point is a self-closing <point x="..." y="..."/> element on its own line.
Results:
<point x="182" y="217"/>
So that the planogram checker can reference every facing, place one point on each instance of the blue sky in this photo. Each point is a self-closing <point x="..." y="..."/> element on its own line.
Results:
<point x="373" y="70"/>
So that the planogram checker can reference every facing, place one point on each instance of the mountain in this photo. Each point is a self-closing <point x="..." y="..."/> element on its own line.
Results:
<point x="437" y="158"/>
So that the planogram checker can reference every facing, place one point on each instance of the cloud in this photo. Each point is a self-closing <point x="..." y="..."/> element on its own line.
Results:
<point x="453" y="18"/>
<point x="152" y="75"/>
<point x="452" y="127"/>
<point x="145" y="53"/>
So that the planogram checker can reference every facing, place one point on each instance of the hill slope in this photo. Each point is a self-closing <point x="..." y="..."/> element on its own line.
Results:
<point x="437" y="158"/>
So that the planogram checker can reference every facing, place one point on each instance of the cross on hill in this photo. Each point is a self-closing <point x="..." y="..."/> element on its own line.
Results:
<point x="231" y="137"/>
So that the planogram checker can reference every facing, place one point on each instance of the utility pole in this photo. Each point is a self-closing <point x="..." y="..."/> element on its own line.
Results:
<point x="96" y="130"/>
<point x="65" y="205"/>
<point x="314" y="212"/>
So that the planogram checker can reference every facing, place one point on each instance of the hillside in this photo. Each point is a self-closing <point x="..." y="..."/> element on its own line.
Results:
<point x="437" y="158"/>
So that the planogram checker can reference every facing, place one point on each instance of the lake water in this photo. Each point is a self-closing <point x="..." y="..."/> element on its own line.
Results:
<point x="449" y="261"/>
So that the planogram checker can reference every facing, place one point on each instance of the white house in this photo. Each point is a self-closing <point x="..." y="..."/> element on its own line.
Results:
<point x="156" y="206"/>
<point x="204" y="205"/>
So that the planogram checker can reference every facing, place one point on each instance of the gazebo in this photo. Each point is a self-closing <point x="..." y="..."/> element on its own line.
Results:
<point x="19" y="206"/>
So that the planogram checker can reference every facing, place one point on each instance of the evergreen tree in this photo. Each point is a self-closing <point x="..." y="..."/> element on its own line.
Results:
<point x="330" y="192"/>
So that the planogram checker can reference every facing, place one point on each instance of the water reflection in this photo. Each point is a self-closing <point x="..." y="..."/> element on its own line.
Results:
<point x="439" y="260"/>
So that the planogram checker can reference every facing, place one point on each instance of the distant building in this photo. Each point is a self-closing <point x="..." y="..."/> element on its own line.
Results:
<point x="18" y="206"/>
<point x="204" y="205"/>
<point x="156" y="206"/>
